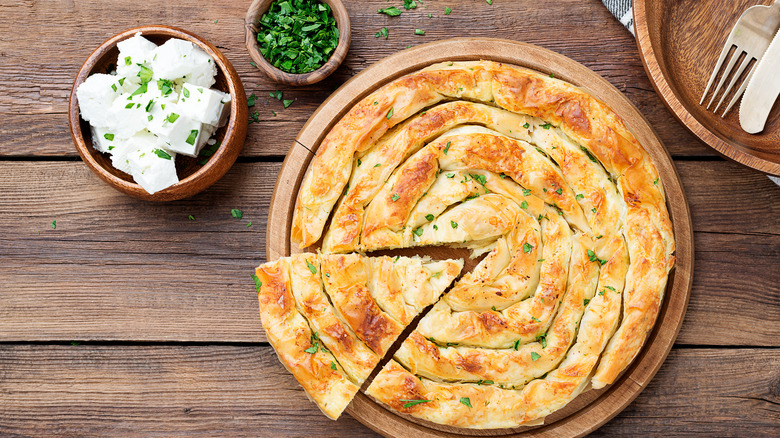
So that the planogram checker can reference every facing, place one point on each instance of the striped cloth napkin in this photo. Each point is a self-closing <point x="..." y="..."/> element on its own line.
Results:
<point x="624" y="12"/>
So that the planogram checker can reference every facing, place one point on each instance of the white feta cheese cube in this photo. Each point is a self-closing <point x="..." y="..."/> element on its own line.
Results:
<point x="103" y="139"/>
<point x="182" y="134"/>
<point x="119" y="153"/>
<point x="153" y="168"/>
<point x="204" y="104"/>
<point x="178" y="58"/>
<point x="132" y="52"/>
<point x="129" y="115"/>
<point x="95" y="96"/>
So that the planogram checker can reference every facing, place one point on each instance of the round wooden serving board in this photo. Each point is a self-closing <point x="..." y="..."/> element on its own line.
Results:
<point x="679" y="43"/>
<point x="592" y="408"/>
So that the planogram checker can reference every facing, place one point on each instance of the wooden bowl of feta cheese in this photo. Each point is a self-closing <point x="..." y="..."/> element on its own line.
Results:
<point x="158" y="113"/>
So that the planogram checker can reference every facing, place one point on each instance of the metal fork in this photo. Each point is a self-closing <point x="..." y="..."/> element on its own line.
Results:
<point x="751" y="35"/>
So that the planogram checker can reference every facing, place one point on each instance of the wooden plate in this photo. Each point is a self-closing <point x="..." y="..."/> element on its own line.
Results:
<point x="679" y="42"/>
<point x="593" y="408"/>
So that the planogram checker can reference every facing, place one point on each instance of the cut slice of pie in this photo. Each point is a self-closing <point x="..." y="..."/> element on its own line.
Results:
<point x="331" y="318"/>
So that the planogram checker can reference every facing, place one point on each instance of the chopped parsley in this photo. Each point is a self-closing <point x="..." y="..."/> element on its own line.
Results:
<point x="454" y="224"/>
<point x="535" y="319"/>
<point x="389" y="114"/>
<point x="465" y="401"/>
<point x="655" y="182"/>
<point x="450" y="175"/>
<point x="312" y="268"/>
<point x="479" y="178"/>
<point x="410" y="4"/>
<point x="108" y="137"/>
<point x="484" y="382"/>
<point x="193" y="136"/>
<point x="392" y="11"/>
<point x="383" y="32"/>
<point x="559" y="191"/>
<point x="602" y="292"/>
<point x="527" y="247"/>
<point x="162" y="154"/>
<point x="447" y="148"/>
<point x="395" y="197"/>
<point x="54" y="225"/>
<point x="526" y="192"/>
<point x="447" y="10"/>
<point x="594" y="257"/>
<point x="149" y="106"/>
<point x="418" y="232"/>
<point x="249" y="224"/>
<point x="276" y="93"/>
<point x="297" y="36"/>
<point x="236" y="213"/>
<point x="429" y="217"/>
<point x="172" y="117"/>
<point x="412" y="402"/>
<point x="546" y="125"/>
<point x="191" y="217"/>
<point x="332" y="365"/>
<point x="524" y="205"/>
<point x="250" y="101"/>
<point x="517" y="345"/>
<point x="185" y="91"/>
<point x="287" y="102"/>
<point x="585" y="302"/>
<point x="313" y="349"/>
<point x="526" y="126"/>
<point x="419" y="32"/>
<point x="590" y="156"/>
<point x="543" y="340"/>
<point x="140" y="90"/>
<point x="128" y="60"/>
<point x="579" y="196"/>
<point x="377" y="164"/>
<point x="535" y="356"/>
<point x="258" y="283"/>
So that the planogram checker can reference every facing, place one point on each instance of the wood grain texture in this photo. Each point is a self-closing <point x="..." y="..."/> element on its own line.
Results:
<point x="31" y="89"/>
<point x="680" y="43"/>
<point x="245" y="391"/>
<point x="104" y="274"/>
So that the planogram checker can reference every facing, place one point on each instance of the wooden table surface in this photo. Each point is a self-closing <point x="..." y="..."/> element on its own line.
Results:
<point x="130" y="319"/>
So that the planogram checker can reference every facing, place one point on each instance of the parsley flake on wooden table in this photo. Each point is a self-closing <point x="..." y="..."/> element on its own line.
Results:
<point x="297" y="36"/>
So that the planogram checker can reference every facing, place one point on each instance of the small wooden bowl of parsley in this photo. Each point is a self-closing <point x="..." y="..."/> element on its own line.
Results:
<point x="297" y="42"/>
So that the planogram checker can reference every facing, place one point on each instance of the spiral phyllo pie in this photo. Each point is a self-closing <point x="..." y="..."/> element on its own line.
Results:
<point x="534" y="175"/>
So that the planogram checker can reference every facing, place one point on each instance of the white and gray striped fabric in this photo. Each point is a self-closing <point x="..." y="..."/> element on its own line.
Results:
<point x="624" y="12"/>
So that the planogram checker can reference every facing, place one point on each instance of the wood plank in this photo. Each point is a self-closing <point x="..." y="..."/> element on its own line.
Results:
<point x="120" y="269"/>
<point x="34" y="91"/>
<point x="233" y="390"/>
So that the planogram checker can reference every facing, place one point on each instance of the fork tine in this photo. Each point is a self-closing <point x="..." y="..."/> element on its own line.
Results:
<point x="733" y="81"/>
<point x="726" y="71"/>
<point x="723" y="54"/>
<point x="739" y="91"/>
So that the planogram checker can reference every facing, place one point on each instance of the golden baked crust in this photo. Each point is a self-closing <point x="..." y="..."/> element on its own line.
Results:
<point x="298" y="350"/>
<point x="538" y="175"/>
<point x="332" y="348"/>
